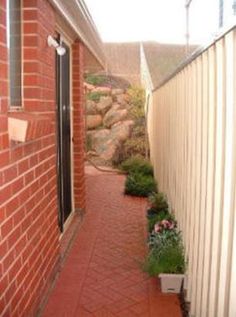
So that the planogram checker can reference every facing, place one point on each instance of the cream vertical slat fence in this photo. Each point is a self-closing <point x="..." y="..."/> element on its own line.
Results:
<point x="193" y="150"/>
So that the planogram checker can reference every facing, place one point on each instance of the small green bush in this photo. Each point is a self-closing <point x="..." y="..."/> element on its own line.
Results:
<point x="95" y="80"/>
<point x="158" y="202"/>
<point x="137" y="164"/>
<point x="150" y="265"/>
<point x="172" y="260"/>
<point x="169" y="260"/>
<point x="131" y="147"/>
<point x="95" y="95"/>
<point x="134" y="146"/>
<point x="139" y="130"/>
<point x="137" y="95"/>
<point x="166" y="254"/>
<point x="137" y="102"/>
<point x="158" y="217"/>
<point x="138" y="184"/>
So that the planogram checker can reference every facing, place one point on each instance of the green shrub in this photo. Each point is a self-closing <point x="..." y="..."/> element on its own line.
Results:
<point x="166" y="253"/>
<point x="158" y="217"/>
<point x="150" y="265"/>
<point x="134" y="146"/>
<point x="137" y="143"/>
<point x="158" y="202"/>
<point x="137" y="164"/>
<point x="131" y="147"/>
<point x="139" y="129"/>
<point x="95" y="80"/>
<point x="170" y="260"/>
<point x="95" y="95"/>
<point x="137" y="102"/>
<point x="138" y="184"/>
<point x="137" y="96"/>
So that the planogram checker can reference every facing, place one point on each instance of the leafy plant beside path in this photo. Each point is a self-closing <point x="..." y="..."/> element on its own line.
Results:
<point x="140" y="181"/>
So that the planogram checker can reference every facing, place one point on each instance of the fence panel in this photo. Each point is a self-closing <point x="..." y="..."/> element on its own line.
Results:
<point x="193" y="150"/>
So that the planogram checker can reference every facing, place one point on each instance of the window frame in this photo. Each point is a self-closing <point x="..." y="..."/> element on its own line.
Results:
<point x="11" y="106"/>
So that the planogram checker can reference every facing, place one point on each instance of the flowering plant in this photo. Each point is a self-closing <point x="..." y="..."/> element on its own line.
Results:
<point x="158" y="202"/>
<point x="163" y="225"/>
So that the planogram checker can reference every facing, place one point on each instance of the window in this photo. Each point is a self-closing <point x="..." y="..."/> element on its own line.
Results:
<point x="14" y="40"/>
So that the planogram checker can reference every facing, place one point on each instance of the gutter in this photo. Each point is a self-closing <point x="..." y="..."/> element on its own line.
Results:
<point x="83" y="9"/>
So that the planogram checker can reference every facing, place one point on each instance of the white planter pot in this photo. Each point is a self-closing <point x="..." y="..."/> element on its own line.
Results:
<point x="171" y="283"/>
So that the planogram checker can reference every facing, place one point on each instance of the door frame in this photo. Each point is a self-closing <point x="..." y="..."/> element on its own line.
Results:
<point x="64" y="226"/>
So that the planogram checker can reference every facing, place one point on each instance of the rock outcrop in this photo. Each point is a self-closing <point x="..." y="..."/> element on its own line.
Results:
<point x="108" y="122"/>
<point x="122" y="130"/>
<point x="104" y="104"/>
<point x="113" y="116"/>
<point x="122" y="99"/>
<point x="104" y="90"/>
<point x="91" y="107"/>
<point x="117" y="91"/>
<point x="93" y="121"/>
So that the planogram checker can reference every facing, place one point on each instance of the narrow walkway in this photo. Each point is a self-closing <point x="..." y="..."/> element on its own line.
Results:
<point x="102" y="276"/>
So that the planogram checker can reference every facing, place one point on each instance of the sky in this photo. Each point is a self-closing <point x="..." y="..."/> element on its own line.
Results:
<point x="154" y="20"/>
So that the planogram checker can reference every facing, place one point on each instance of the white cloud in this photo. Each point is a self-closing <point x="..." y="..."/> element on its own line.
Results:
<point x="160" y="20"/>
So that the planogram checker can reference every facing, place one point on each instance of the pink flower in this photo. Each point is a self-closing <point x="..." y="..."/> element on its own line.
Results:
<point x="157" y="228"/>
<point x="165" y="223"/>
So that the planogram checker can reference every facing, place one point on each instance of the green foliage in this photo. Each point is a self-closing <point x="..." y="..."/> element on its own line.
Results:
<point x="139" y="130"/>
<point x="150" y="265"/>
<point x="158" y="241"/>
<point x="136" y="112"/>
<point x="158" y="202"/>
<point x="158" y="217"/>
<point x="137" y="102"/>
<point x="134" y="146"/>
<point x="138" y="184"/>
<point x="137" y="96"/>
<point x="166" y="253"/>
<point x="152" y="221"/>
<point x="95" y="80"/>
<point x="95" y="95"/>
<point x="137" y="164"/>
<point x="169" y="260"/>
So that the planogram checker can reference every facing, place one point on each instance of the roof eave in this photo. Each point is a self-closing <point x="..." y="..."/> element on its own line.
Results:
<point x="94" y="42"/>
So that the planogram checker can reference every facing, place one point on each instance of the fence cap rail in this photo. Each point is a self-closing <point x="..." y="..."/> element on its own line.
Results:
<point x="199" y="51"/>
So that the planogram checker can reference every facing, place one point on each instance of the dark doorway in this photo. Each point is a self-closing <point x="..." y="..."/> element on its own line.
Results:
<point x="64" y="135"/>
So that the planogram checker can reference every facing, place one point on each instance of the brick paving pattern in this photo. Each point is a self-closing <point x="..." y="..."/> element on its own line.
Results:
<point x="102" y="276"/>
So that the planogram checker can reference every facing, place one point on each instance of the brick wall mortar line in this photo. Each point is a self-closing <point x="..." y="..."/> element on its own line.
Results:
<point x="29" y="185"/>
<point x="20" y="224"/>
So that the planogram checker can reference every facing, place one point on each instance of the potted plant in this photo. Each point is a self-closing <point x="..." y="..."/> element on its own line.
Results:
<point x="171" y="265"/>
<point x="166" y="256"/>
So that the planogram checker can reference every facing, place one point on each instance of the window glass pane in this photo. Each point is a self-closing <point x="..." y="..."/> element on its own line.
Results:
<point x="14" y="42"/>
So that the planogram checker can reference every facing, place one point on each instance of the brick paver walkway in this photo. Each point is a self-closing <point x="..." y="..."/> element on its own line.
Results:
<point x="102" y="276"/>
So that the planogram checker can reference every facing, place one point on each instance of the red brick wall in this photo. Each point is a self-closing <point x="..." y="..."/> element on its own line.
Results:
<point x="78" y="125"/>
<point x="29" y="234"/>
<point x="39" y="59"/>
<point x="4" y="150"/>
